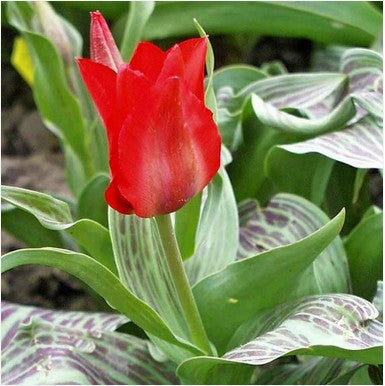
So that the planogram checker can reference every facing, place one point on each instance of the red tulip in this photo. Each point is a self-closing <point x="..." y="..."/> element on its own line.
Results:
<point x="164" y="145"/>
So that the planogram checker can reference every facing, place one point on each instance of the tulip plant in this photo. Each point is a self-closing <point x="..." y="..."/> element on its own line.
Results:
<point x="225" y="220"/>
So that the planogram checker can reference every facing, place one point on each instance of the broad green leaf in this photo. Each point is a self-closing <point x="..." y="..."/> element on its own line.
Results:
<point x="143" y="267"/>
<point x="309" y="173"/>
<point x="104" y="282"/>
<point x="348" y="377"/>
<point x="313" y="371"/>
<point x="350" y="23"/>
<point x="280" y="120"/>
<point x="217" y="234"/>
<point x="365" y="253"/>
<point x="140" y="11"/>
<point x="26" y="228"/>
<point x="223" y="296"/>
<point x="214" y="371"/>
<point x="359" y="145"/>
<point x="186" y="224"/>
<point x="335" y="325"/>
<point x="91" y="203"/>
<point x="54" y="214"/>
<point x="53" y="347"/>
<point x="285" y="220"/>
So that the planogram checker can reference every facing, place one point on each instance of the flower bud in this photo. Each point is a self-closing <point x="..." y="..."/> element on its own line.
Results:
<point x="102" y="45"/>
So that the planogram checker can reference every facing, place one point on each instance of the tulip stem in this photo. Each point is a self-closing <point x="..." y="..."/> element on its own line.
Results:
<point x="186" y="298"/>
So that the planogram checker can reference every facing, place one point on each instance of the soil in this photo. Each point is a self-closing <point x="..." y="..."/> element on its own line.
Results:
<point x="32" y="158"/>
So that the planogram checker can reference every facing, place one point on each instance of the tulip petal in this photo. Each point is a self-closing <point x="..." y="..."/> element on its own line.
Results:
<point x="168" y="151"/>
<point x="116" y="200"/>
<point x="194" y="57"/>
<point x="131" y="85"/>
<point x="103" y="48"/>
<point x="148" y="59"/>
<point x="101" y="84"/>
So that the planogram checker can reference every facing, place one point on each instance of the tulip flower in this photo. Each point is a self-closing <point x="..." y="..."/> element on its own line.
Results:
<point x="164" y="146"/>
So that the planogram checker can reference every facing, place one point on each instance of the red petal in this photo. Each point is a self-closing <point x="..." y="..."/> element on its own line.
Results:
<point x="131" y="85"/>
<point x="148" y="59"/>
<point x="116" y="200"/>
<point x="194" y="57"/>
<point x="103" y="48"/>
<point x="101" y="84"/>
<point x="168" y="151"/>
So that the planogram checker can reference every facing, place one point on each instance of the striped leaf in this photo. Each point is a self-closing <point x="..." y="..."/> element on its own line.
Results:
<point x="335" y="325"/>
<point x="288" y="123"/>
<point x="359" y="145"/>
<point x="54" y="214"/>
<point x="217" y="234"/>
<point x="44" y="347"/>
<point x="143" y="268"/>
<point x="378" y="299"/>
<point x="343" y="325"/>
<point x="102" y="281"/>
<point x="313" y="94"/>
<point x="267" y="279"/>
<point x="286" y="219"/>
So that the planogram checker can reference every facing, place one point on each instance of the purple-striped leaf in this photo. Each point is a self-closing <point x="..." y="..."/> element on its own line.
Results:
<point x="359" y="145"/>
<point x="327" y="325"/>
<point x="286" y="219"/>
<point x="378" y="299"/>
<point x="55" y="347"/>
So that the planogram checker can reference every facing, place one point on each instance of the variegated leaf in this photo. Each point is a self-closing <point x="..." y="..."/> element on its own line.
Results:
<point x="335" y="325"/>
<point x="288" y="123"/>
<point x="245" y="288"/>
<point x="364" y="68"/>
<point x="286" y="219"/>
<point x="217" y="234"/>
<point x="359" y="145"/>
<point x="378" y="299"/>
<point x="54" y="347"/>
<point x="143" y="267"/>
<point x="328" y="325"/>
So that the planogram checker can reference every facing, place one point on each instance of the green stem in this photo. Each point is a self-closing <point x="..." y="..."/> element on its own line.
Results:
<point x="183" y="289"/>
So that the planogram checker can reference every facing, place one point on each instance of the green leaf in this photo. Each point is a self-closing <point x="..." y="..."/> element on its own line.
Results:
<point x="223" y="296"/>
<point x="54" y="347"/>
<point x="309" y="173"/>
<point x="140" y="11"/>
<point x="217" y="234"/>
<point x="104" y="282"/>
<point x="54" y="214"/>
<point x="214" y="371"/>
<point x="26" y="228"/>
<point x="364" y="251"/>
<point x="186" y="224"/>
<point x="350" y="23"/>
<point x="313" y="371"/>
<point x="59" y="108"/>
<point x="91" y="203"/>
